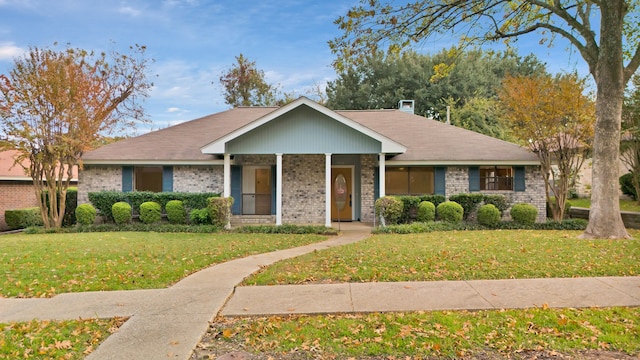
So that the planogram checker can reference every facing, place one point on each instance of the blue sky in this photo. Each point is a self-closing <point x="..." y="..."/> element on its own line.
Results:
<point x="194" y="41"/>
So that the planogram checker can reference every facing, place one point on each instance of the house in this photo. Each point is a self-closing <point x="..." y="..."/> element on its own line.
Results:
<point x="281" y="164"/>
<point x="16" y="188"/>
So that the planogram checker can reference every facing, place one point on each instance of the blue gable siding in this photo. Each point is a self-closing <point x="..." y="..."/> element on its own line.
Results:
<point x="304" y="131"/>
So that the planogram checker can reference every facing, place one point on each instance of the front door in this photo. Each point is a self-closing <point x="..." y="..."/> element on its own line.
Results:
<point x="256" y="190"/>
<point x="346" y="213"/>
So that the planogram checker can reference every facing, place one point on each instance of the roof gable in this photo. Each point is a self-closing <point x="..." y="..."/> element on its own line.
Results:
<point x="362" y="135"/>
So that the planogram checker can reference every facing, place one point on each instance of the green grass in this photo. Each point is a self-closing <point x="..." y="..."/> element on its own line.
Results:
<point x="460" y="255"/>
<point x="47" y="264"/>
<point x="54" y="339"/>
<point x="625" y="205"/>
<point x="443" y="334"/>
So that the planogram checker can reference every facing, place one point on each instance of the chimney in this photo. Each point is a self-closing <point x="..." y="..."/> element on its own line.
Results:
<point x="406" y="106"/>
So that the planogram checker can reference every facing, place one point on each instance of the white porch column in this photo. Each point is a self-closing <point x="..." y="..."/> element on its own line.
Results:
<point x="327" y="189"/>
<point x="382" y="174"/>
<point x="279" y="189"/>
<point x="227" y="177"/>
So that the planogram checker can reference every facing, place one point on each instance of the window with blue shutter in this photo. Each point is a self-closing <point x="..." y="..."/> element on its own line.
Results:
<point x="127" y="178"/>
<point x="474" y="178"/>
<point x="519" y="179"/>
<point x="440" y="181"/>
<point x="376" y="184"/>
<point x="167" y="178"/>
<point x="236" y="189"/>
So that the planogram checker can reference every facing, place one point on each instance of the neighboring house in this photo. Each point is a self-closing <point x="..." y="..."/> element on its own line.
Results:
<point x="16" y="188"/>
<point x="281" y="164"/>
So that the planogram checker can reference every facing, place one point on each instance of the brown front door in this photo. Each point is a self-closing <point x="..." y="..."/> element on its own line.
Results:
<point x="346" y="213"/>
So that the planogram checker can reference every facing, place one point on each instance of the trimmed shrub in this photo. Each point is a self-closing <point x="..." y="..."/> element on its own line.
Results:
<point x="85" y="214"/>
<point x="626" y="185"/>
<point x="469" y="202"/>
<point x="23" y="218"/>
<point x="220" y="210"/>
<point x="489" y="215"/>
<point x="121" y="212"/>
<point x="450" y="211"/>
<point x="150" y="212"/>
<point x="175" y="212"/>
<point x="523" y="213"/>
<point x="499" y="201"/>
<point x="390" y="209"/>
<point x="426" y="211"/>
<point x="199" y="217"/>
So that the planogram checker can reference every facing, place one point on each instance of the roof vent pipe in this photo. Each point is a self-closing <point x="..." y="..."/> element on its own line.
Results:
<point x="406" y="106"/>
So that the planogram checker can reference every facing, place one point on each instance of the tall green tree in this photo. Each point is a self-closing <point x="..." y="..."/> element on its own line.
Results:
<point x="604" y="32"/>
<point x="55" y="104"/>
<point x="244" y="85"/>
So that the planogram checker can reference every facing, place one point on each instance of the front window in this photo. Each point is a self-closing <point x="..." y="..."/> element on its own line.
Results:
<point x="409" y="180"/>
<point x="496" y="178"/>
<point x="148" y="178"/>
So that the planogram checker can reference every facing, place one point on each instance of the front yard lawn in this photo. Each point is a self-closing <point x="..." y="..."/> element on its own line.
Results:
<point x="460" y="255"/>
<point x="625" y="205"/>
<point x="44" y="265"/>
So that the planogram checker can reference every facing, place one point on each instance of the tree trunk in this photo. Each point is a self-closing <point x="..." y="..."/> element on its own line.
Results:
<point x="605" y="220"/>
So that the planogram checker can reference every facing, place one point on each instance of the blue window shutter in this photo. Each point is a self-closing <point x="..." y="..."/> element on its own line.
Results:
<point x="376" y="183"/>
<point x="518" y="179"/>
<point x="127" y="178"/>
<point x="273" y="189"/>
<point x="167" y="178"/>
<point x="440" y="181"/>
<point x="474" y="178"/>
<point x="236" y="189"/>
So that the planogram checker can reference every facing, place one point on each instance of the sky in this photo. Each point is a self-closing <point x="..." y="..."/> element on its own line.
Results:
<point x="192" y="42"/>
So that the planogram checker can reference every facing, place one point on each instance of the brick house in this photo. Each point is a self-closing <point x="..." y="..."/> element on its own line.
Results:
<point x="16" y="188"/>
<point x="281" y="165"/>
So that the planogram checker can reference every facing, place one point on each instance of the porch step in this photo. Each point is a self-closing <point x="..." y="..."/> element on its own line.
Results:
<point x="241" y="220"/>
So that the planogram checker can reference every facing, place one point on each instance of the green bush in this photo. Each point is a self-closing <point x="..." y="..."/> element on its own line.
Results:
<point x="390" y="208"/>
<point x="85" y="214"/>
<point x="286" y="229"/>
<point x="220" y="210"/>
<point x="497" y="200"/>
<point x="121" y="212"/>
<point x="23" y="218"/>
<point x="450" y="211"/>
<point x="411" y="203"/>
<point x="489" y="215"/>
<point x="426" y="211"/>
<point x="523" y="213"/>
<point x="103" y="200"/>
<point x="626" y="185"/>
<point x="175" y="212"/>
<point x="150" y="212"/>
<point x="199" y="217"/>
<point x="469" y="202"/>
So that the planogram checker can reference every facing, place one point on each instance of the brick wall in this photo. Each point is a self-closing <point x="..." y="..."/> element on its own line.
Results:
<point x="15" y="195"/>
<point x="303" y="189"/>
<point x="98" y="178"/>
<point x="198" y="179"/>
<point x="457" y="182"/>
<point x="367" y="191"/>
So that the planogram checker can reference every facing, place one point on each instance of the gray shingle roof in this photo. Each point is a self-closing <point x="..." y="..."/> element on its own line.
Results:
<point x="426" y="140"/>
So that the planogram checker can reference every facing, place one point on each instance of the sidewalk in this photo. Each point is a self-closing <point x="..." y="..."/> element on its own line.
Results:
<point x="169" y="323"/>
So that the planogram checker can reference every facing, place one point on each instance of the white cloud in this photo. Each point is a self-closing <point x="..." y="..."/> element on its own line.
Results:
<point x="128" y="10"/>
<point x="173" y="109"/>
<point x="9" y="50"/>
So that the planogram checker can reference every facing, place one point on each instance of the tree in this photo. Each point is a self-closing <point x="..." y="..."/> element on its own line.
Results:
<point x="479" y="114"/>
<point x="57" y="103"/>
<point x="245" y="85"/>
<point x="381" y="80"/>
<point x="630" y="138"/>
<point x="555" y="119"/>
<point x="603" y="32"/>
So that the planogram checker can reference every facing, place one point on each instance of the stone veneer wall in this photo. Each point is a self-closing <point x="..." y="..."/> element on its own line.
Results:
<point x="457" y="181"/>
<point x="198" y="179"/>
<point x="303" y="189"/>
<point x="98" y="178"/>
<point x="367" y="191"/>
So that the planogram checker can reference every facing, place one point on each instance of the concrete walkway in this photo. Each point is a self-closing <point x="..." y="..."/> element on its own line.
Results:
<point x="169" y="323"/>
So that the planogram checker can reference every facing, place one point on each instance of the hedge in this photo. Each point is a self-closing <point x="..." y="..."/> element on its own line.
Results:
<point x="389" y="208"/>
<point x="23" y="218"/>
<point x="121" y="212"/>
<point x="469" y="202"/>
<point x="489" y="215"/>
<point x="85" y="214"/>
<point x="219" y="210"/>
<point x="450" y="211"/>
<point x="411" y="203"/>
<point x="175" y="212"/>
<point x="104" y="200"/>
<point x="150" y="212"/>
